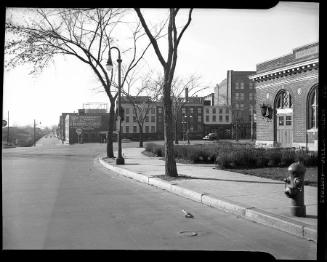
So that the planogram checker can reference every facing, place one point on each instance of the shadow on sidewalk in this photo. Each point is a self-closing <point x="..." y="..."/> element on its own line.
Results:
<point x="184" y="177"/>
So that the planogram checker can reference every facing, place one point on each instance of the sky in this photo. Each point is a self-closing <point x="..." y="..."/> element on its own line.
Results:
<point x="217" y="40"/>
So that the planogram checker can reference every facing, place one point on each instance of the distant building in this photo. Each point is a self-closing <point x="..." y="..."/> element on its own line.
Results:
<point x="137" y="109"/>
<point x="86" y="126"/>
<point x="238" y="92"/>
<point x="217" y="119"/>
<point x="220" y="92"/>
<point x="287" y="99"/>
<point x="191" y="119"/>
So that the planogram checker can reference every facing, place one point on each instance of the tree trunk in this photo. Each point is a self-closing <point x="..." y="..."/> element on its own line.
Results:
<point x="110" y="149"/>
<point x="141" y="137"/>
<point x="176" y="132"/>
<point x="170" y="163"/>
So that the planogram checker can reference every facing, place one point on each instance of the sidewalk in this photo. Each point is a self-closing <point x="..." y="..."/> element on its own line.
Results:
<point x="258" y="199"/>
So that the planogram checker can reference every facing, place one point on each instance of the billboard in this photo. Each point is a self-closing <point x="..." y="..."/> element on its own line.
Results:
<point x="85" y="121"/>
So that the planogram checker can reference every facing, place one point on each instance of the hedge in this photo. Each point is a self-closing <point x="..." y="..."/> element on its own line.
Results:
<point x="226" y="155"/>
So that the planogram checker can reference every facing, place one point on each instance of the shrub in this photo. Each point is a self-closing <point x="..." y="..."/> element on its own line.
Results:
<point x="158" y="150"/>
<point x="307" y="158"/>
<point x="287" y="157"/>
<point x="228" y="155"/>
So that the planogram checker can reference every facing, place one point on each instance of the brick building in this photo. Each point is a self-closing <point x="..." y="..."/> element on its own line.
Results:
<point x="287" y="99"/>
<point x="238" y="93"/>
<point x="139" y="112"/>
<point x="93" y="123"/>
<point x="217" y="117"/>
<point x="189" y="119"/>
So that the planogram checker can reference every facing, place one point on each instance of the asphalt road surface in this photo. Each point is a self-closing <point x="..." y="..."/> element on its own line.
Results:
<point x="58" y="196"/>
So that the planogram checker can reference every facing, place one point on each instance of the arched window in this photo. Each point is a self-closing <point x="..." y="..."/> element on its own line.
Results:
<point x="284" y="100"/>
<point x="313" y="109"/>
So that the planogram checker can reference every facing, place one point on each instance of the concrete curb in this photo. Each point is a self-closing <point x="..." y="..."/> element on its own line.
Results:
<point x="281" y="223"/>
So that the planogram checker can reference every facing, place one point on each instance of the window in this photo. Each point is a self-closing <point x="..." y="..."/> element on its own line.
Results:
<point x="237" y="96"/>
<point x="213" y="118"/>
<point x="227" y="118"/>
<point x="146" y="119"/>
<point x="236" y="85"/>
<point x="183" y="110"/>
<point x="207" y="118"/>
<point x="220" y="118"/>
<point x="281" y="120"/>
<point x="313" y="108"/>
<point x="153" y="110"/>
<point x="134" y="129"/>
<point x="146" y="129"/>
<point x="127" y="129"/>
<point x="227" y="110"/>
<point x="127" y="110"/>
<point x="241" y="96"/>
<point x="199" y="118"/>
<point x="191" y="110"/>
<point x="199" y="110"/>
<point x="214" y="110"/>
<point x="159" y="110"/>
<point x="284" y="100"/>
<point x="237" y="106"/>
<point x="153" y="119"/>
<point x="207" y="110"/>
<point x="134" y="118"/>
<point x="241" y="106"/>
<point x="220" y="110"/>
<point x="242" y="85"/>
<point x="127" y="119"/>
<point x="288" y="120"/>
<point x="251" y="96"/>
<point x="153" y="129"/>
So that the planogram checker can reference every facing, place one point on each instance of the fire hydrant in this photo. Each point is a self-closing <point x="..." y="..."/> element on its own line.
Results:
<point x="294" y="188"/>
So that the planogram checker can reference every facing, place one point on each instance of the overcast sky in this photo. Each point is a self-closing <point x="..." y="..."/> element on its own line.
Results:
<point x="217" y="40"/>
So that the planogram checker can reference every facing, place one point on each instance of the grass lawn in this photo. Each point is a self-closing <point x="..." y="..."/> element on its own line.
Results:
<point x="279" y="173"/>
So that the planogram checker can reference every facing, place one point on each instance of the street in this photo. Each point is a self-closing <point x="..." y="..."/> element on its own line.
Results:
<point x="58" y="196"/>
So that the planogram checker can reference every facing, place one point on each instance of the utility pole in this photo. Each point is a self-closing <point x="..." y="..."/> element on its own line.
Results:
<point x="34" y="133"/>
<point x="8" y="130"/>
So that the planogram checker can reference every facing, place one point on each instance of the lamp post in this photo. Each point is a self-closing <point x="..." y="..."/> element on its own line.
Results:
<point x="188" y="128"/>
<point x="119" y="160"/>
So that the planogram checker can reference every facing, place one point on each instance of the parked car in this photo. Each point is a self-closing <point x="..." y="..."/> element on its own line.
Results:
<point x="210" y="136"/>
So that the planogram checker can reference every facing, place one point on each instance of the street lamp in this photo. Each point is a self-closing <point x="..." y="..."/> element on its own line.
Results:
<point x="119" y="160"/>
<point x="187" y="118"/>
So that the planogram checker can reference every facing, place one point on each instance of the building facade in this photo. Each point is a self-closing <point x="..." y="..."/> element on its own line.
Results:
<point x="89" y="125"/>
<point x="287" y="99"/>
<point x="217" y="119"/>
<point x="139" y="113"/>
<point x="238" y="92"/>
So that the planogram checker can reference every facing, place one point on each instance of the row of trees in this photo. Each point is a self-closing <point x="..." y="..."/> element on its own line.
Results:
<point x="87" y="35"/>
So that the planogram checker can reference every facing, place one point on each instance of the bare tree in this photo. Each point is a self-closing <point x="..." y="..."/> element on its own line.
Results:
<point x="169" y="70"/>
<point x="179" y="86"/>
<point x="85" y="34"/>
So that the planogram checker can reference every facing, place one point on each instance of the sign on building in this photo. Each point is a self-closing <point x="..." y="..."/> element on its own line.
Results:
<point x="86" y="121"/>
